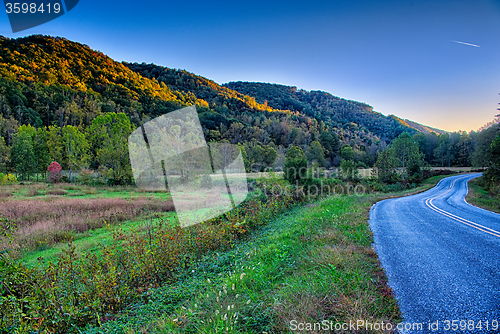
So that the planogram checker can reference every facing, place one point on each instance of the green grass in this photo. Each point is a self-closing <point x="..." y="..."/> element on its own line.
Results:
<point x="311" y="264"/>
<point x="45" y="250"/>
<point x="478" y="196"/>
<point x="91" y="240"/>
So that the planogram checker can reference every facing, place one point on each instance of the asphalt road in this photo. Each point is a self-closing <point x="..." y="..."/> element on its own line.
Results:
<point x="442" y="258"/>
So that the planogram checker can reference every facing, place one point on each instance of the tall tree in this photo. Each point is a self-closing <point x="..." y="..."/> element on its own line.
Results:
<point x="109" y="137"/>
<point x="41" y="150"/>
<point x="315" y="153"/>
<point x="22" y="154"/>
<point x="330" y="142"/>
<point x="295" y="164"/>
<point x="75" y="149"/>
<point x="492" y="174"/>
<point x="385" y="166"/>
<point x="406" y="155"/>
<point x="481" y="157"/>
<point x="4" y="155"/>
<point x="270" y="155"/>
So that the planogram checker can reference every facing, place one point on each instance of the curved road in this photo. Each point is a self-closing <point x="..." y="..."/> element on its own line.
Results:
<point x="442" y="258"/>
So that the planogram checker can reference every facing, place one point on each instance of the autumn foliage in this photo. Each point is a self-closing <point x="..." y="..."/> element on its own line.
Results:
<point x="54" y="170"/>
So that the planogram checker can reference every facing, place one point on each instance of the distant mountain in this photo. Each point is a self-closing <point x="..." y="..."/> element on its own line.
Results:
<point x="322" y="105"/>
<point x="51" y="81"/>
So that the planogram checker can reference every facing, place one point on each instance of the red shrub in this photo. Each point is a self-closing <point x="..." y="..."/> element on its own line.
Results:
<point x="54" y="169"/>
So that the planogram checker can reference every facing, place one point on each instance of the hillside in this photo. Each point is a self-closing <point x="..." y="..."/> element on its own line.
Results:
<point x="323" y="106"/>
<point x="47" y="81"/>
<point x="424" y="128"/>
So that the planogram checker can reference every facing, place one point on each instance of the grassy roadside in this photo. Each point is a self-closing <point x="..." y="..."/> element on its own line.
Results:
<point x="313" y="263"/>
<point x="478" y="196"/>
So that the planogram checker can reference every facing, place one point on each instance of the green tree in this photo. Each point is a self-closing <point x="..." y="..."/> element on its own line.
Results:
<point x="295" y="165"/>
<point x="316" y="153"/>
<point x="481" y="157"/>
<point x="330" y="142"/>
<point x="22" y="154"/>
<point x="270" y="155"/>
<point x="406" y="155"/>
<point x="492" y="174"/>
<point x="348" y="170"/>
<point x="54" y="134"/>
<point x="347" y="152"/>
<point x="39" y="141"/>
<point x="75" y="149"/>
<point x="41" y="150"/>
<point x="4" y="156"/>
<point x="109" y="137"/>
<point x="385" y="166"/>
<point x="443" y="154"/>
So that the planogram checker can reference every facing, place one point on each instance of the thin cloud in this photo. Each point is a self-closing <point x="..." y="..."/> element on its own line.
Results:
<point x="475" y="45"/>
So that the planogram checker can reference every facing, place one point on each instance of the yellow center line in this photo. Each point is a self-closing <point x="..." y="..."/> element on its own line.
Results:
<point x="477" y="226"/>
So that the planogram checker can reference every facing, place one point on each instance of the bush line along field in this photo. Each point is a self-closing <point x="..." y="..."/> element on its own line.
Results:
<point x="78" y="288"/>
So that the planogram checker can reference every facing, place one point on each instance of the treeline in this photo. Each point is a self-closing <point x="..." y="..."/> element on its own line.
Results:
<point x="489" y="151"/>
<point x="53" y="82"/>
<point x="102" y="146"/>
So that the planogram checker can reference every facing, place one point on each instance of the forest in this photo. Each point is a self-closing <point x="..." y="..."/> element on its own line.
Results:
<point x="62" y="101"/>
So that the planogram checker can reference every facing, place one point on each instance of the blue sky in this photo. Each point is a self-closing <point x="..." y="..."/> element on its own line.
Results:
<point x="398" y="56"/>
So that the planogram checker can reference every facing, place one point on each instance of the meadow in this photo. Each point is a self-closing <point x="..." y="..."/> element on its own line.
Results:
<point x="46" y="216"/>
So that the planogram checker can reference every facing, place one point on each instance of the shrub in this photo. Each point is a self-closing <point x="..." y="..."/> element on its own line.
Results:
<point x="81" y="289"/>
<point x="55" y="172"/>
<point x="6" y="179"/>
<point x="86" y="176"/>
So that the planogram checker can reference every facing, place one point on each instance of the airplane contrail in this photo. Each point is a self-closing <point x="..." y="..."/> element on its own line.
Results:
<point x="477" y="46"/>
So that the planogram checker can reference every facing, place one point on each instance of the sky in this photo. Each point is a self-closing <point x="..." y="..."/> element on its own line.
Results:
<point x="436" y="62"/>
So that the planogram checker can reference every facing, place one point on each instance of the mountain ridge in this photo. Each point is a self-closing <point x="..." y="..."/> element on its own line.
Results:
<point x="294" y="100"/>
<point x="52" y="81"/>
